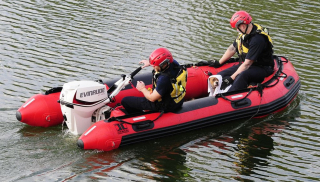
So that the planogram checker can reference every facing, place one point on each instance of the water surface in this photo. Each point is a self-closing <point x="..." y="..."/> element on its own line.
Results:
<point x="44" y="44"/>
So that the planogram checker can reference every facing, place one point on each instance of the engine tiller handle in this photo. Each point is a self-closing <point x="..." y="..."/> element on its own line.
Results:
<point x="135" y="72"/>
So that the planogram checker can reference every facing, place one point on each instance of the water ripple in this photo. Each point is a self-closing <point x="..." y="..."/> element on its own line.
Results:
<point x="44" y="44"/>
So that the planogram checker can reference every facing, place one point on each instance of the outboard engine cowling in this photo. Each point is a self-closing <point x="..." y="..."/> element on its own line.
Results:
<point x="79" y="100"/>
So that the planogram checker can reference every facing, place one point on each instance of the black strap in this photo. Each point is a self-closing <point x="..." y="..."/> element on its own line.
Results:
<point x="278" y="73"/>
<point x="225" y="98"/>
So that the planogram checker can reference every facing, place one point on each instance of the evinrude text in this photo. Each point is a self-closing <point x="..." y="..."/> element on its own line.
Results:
<point x="92" y="92"/>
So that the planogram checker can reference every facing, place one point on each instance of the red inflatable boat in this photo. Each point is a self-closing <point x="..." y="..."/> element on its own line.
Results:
<point x="273" y="95"/>
<point x="44" y="110"/>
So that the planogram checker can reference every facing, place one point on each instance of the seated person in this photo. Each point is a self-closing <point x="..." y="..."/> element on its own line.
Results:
<point x="169" y="81"/>
<point x="255" y="50"/>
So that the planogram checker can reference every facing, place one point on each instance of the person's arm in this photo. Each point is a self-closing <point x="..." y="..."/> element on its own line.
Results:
<point x="229" y="79"/>
<point x="244" y="66"/>
<point x="217" y="64"/>
<point x="154" y="96"/>
<point x="228" y="54"/>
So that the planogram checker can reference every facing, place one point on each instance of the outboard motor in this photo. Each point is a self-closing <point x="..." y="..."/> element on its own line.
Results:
<point x="81" y="102"/>
<point x="84" y="102"/>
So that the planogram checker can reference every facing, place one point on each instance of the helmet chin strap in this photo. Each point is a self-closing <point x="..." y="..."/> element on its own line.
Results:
<point x="165" y="68"/>
<point x="245" y="30"/>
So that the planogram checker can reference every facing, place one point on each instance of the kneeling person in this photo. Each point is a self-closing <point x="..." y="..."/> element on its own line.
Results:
<point x="169" y="82"/>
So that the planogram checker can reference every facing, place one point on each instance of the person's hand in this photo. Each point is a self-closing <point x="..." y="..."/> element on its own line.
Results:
<point x="140" y="85"/>
<point x="202" y="63"/>
<point x="226" y="82"/>
<point x="215" y="64"/>
<point x="145" y="63"/>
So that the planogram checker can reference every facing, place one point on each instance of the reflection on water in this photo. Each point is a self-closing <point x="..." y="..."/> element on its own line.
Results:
<point x="240" y="151"/>
<point x="250" y="148"/>
<point x="44" y="44"/>
<point x="257" y="147"/>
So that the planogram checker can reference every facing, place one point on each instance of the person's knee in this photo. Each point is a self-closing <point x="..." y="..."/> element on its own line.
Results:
<point x="228" y="71"/>
<point x="125" y="101"/>
<point x="243" y="76"/>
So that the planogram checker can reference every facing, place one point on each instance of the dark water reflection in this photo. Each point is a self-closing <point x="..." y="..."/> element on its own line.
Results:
<point x="206" y="155"/>
<point x="241" y="151"/>
<point x="47" y="43"/>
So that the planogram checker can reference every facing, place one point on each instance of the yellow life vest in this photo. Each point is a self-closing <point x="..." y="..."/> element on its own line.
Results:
<point x="178" y="84"/>
<point x="242" y="49"/>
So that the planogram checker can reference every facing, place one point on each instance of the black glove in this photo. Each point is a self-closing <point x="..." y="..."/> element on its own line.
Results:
<point x="202" y="63"/>
<point x="232" y="60"/>
<point x="226" y="82"/>
<point x="214" y="63"/>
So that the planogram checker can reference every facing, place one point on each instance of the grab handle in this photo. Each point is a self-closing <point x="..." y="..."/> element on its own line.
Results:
<point x="291" y="81"/>
<point x="241" y="103"/>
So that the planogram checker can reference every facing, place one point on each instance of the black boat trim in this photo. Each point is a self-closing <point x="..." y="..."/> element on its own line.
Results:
<point x="53" y="90"/>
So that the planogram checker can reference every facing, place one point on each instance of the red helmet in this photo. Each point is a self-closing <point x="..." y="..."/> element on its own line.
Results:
<point x="160" y="56"/>
<point x="240" y="17"/>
